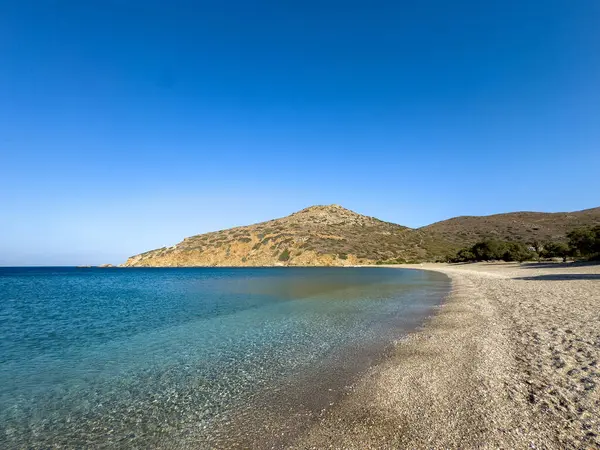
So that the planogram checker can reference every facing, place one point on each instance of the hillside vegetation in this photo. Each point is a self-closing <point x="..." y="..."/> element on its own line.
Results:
<point x="319" y="235"/>
<point x="333" y="235"/>
<point x="583" y="243"/>
<point x="525" y="227"/>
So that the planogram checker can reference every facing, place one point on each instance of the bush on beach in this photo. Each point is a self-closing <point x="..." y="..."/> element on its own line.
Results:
<point x="555" y="250"/>
<point x="494" y="250"/>
<point x="582" y="243"/>
<point x="585" y="241"/>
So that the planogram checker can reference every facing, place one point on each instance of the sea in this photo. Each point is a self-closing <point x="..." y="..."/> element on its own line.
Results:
<point x="193" y="357"/>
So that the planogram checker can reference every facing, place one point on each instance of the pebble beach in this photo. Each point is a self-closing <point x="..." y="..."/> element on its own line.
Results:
<point x="511" y="360"/>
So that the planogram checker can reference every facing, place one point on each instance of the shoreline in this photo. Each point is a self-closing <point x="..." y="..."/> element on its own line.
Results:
<point x="511" y="360"/>
<point x="284" y="416"/>
<point x="161" y="388"/>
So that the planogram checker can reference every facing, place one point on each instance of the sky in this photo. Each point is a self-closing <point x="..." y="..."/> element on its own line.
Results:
<point x="128" y="125"/>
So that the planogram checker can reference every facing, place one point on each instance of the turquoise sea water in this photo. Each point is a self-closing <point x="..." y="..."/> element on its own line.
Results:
<point x="191" y="358"/>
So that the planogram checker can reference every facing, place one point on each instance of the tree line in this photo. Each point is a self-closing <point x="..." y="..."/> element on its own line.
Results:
<point x="581" y="243"/>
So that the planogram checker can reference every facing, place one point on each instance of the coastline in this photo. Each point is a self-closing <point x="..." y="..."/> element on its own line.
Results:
<point x="241" y="374"/>
<point x="510" y="361"/>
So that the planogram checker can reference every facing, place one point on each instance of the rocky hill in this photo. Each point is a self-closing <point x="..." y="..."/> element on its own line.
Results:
<point x="319" y="235"/>
<point x="518" y="226"/>
<point x="333" y="235"/>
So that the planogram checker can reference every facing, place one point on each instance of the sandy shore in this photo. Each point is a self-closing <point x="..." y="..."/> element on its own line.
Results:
<point x="512" y="360"/>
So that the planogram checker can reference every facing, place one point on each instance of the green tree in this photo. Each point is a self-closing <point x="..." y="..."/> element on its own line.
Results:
<point x="556" y="250"/>
<point x="516" y="251"/>
<point x="584" y="241"/>
<point x="491" y="250"/>
<point x="537" y="246"/>
<point x="596" y="246"/>
<point x="463" y="255"/>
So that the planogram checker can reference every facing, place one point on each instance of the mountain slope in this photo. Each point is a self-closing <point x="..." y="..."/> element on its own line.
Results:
<point x="332" y="235"/>
<point x="518" y="226"/>
<point x="319" y="235"/>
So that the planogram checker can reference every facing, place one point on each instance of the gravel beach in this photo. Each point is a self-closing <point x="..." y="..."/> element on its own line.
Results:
<point x="510" y="361"/>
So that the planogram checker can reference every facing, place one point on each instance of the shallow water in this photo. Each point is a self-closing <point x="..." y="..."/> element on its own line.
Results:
<point x="198" y="358"/>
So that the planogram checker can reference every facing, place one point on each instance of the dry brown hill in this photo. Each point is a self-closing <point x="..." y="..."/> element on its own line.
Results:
<point x="332" y="235"/>
<point x="518" y="226"/>
<point x="319" y="235"/>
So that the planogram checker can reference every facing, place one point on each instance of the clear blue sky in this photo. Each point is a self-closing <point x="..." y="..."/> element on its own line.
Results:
<point x="128" y="125"/>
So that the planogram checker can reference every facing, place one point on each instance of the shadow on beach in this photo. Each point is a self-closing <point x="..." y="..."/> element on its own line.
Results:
<point x="557" y="265"/>
<point x="562" y="277"/>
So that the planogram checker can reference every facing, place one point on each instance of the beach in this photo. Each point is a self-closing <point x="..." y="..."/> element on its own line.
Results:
<point x="511" y="360"/>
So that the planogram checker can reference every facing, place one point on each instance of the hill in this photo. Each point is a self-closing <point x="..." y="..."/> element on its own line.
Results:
<point x="333" y="235"/>
<point x="523" y="227"/>
<point x="319" y="235"/>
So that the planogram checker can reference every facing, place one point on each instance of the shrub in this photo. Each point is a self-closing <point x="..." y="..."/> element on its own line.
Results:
<point x="463" y="255"/>
<point x="585" y="241"/>
<point x="491" y="250"/>
<point x="516" y="251"/>
<point x="494" y="250"/>
<point x="284" y="255"/>
<point x="556" y="250"/>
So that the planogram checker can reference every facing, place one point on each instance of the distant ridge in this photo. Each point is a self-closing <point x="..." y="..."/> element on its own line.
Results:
<point x="521" y="226"/>
<point x="333" y="235"/>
